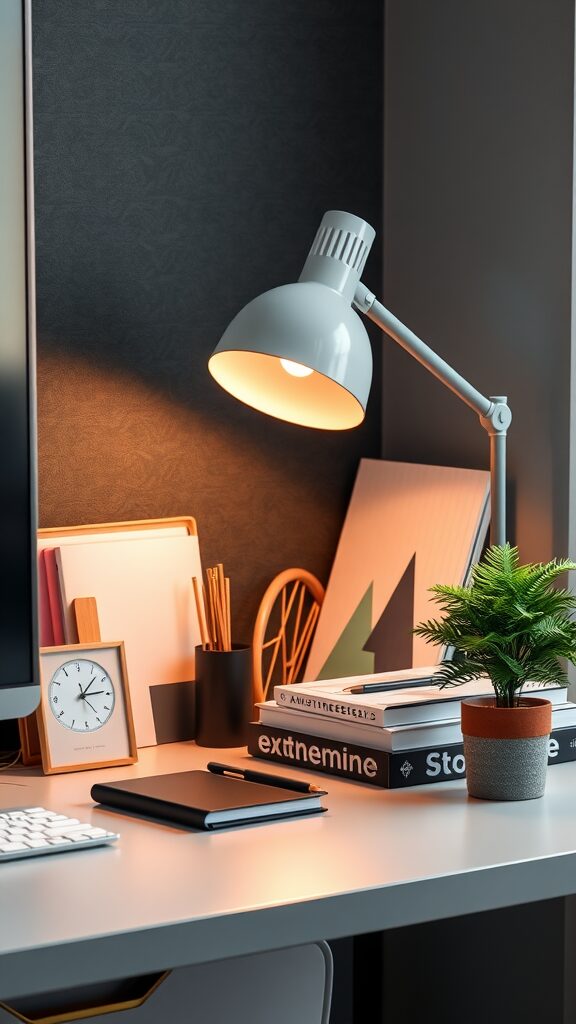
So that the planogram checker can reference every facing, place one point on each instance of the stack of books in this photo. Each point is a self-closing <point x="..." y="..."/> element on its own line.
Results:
<point x="405" y="735"/>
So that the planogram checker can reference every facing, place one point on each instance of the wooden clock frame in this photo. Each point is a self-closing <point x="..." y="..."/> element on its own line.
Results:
<point x="71" y="652"/>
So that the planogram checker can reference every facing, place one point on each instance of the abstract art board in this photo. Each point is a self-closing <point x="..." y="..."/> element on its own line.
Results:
<point x="407" y="528"/>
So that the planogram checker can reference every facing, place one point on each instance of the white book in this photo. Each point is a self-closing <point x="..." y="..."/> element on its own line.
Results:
<point x="396" y="737"/>
<point x="330" y="697"/>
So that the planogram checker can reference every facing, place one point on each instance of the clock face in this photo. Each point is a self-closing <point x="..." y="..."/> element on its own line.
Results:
<point x="81" y="695"/>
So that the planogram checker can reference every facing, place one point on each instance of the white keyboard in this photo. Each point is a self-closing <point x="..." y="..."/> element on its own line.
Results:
<point x="30" y="831"/>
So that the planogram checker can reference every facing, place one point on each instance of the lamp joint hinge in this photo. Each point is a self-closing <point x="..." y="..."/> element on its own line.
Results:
<point x="499" y="416"/>
<point x="363" y="298"/>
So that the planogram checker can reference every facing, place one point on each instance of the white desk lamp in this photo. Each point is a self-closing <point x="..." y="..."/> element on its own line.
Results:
<point x="301" y="353"/>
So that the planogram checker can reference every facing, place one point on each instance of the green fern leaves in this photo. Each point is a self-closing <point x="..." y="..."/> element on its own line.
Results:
<point x="511" y="624"/>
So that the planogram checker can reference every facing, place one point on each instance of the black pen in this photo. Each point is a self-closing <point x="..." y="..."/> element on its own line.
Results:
<point x="269" y="780"/>
<point x="381" y="687"/>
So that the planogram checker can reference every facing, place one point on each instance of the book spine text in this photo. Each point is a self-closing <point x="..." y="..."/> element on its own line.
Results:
<point x="333" y="707"/>
<point x="390" y="769"/>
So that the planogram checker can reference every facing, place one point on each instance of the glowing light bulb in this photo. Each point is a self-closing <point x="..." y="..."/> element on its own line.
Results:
<point x="295" y="369"/>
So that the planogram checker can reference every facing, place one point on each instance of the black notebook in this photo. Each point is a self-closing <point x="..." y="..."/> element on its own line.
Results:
<point x="203" y="800"/>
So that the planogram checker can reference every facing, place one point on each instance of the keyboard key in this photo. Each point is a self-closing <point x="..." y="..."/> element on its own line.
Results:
<point x="62" y="827"/>
<point x="11" y="847"/>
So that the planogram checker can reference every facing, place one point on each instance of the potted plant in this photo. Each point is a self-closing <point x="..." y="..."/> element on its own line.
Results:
<point x="512" y="625"/>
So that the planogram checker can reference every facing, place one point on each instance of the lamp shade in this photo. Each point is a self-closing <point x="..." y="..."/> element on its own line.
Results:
<point x="266" y="354"/>
<point x="300" y="352"/>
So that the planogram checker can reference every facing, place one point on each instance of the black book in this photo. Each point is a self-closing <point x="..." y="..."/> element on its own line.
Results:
<point x="394" y="769"/>
<point x="202" y="800"/>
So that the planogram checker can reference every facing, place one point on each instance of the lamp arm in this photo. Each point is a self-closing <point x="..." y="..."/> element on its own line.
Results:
<point x="494" y="413"/>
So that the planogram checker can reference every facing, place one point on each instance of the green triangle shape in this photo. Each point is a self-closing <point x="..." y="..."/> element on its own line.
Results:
<point x="348" y="657"/>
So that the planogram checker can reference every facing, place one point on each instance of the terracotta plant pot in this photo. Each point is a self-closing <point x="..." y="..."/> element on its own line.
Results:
<point x="506" y="749"/>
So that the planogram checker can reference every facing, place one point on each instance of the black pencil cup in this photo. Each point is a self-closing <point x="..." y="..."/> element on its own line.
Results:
<point x="223" y="696"/>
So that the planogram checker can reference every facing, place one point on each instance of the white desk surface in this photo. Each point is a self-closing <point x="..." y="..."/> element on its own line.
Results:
<point x="165" y="897"/>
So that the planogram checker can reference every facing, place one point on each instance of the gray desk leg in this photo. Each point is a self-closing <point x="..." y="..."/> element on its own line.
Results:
<point x="569" y="960"/>
<point x="343" y="983"/>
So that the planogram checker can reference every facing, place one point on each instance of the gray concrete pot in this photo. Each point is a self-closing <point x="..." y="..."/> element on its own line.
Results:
<point x="506" y="749"/>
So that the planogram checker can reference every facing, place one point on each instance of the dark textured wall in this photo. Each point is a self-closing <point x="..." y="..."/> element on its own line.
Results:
<point x="478" y="225"/>
<point x="185" y="152"/>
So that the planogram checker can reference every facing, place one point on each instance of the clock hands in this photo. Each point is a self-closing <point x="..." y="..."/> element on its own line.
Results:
<point x="93" y="693"/>
<point x="84" y="692"/>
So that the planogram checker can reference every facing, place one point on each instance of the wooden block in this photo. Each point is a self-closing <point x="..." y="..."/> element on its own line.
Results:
<point x="87" y="624"/>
